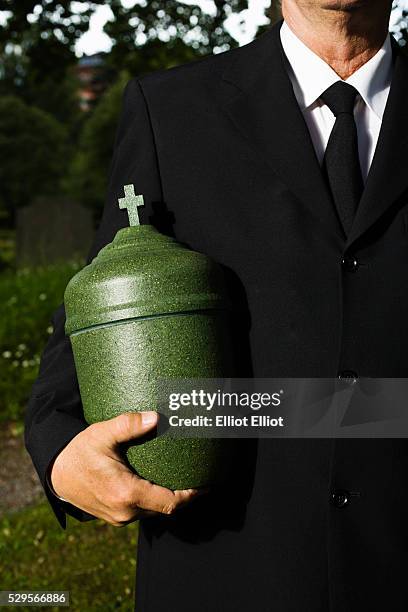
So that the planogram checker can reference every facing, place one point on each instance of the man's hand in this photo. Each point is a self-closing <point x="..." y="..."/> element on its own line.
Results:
<point x="91" y="474"/>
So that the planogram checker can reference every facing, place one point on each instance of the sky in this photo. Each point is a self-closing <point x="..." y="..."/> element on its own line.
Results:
<point x="95" y="40"/>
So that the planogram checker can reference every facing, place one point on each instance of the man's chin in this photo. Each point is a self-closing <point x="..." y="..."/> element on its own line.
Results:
<point x="345" y="5"/>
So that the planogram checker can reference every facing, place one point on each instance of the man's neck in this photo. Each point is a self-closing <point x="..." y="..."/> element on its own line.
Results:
<point x="344" y="39"/>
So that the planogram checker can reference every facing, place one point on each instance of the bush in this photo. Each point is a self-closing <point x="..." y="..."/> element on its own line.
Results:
<point x="28" y="298"/>
<point x="34" y="152"/>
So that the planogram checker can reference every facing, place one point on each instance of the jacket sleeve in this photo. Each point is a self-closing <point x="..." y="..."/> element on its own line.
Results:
<point x="54" y="413"/>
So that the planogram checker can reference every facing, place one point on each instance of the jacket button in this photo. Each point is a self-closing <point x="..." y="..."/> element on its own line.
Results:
<point x="350" y="263"/>
<point x="348" y="375"/>
<point x="340" y="498"/>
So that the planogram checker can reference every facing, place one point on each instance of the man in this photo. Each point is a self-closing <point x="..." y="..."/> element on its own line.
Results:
<point x="285" y="161"/>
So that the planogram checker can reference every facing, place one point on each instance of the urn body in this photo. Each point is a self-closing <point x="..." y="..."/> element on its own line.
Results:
<point x="147" y="309"/>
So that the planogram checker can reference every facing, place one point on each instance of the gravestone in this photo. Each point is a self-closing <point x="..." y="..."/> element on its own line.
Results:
<point x="53" y="229"/>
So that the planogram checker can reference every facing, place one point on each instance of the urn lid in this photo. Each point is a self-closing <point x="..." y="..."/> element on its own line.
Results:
<point x="142" y="273"/>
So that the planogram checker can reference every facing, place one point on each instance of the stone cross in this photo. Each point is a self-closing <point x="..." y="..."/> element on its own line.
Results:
<point x="131" y="201"/>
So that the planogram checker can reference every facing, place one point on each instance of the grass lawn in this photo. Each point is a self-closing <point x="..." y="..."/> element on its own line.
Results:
<point x="28" y="298"/>
<point x="94" y="561"/>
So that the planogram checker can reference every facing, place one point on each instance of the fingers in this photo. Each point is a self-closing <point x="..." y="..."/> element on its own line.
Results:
<point x="153" y="503"/>
<point x="138" y="515"/>
<point x="125" y="427"/>
<point x="92" y="478"/>
<point x="149" y="496"/>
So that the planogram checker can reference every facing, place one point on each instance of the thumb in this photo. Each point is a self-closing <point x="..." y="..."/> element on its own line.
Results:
<point x="129" y="425"/>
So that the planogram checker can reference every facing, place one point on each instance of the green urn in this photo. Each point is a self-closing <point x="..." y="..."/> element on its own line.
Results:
<point x="146" y="309"/>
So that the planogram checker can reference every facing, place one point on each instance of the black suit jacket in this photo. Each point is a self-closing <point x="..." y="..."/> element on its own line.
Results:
<point x="221" y="152"/>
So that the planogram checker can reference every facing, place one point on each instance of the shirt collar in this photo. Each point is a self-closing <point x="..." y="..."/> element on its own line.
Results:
<point x="311" y="75"/>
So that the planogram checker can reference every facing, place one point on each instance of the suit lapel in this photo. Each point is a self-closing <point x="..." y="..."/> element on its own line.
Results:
<point x="388" y="176"/>
<point x="262" y="105"/>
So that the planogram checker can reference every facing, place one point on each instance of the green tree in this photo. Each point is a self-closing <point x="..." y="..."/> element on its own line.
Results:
<point x="185" y="31"/>
<point x="34" y="151"/>
<point x="401" y="29"/>
<point x="37" y="44"/>
<point x="37" y="60"/>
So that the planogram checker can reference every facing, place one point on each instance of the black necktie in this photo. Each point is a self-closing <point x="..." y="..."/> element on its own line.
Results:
<point x="341" y="160"/>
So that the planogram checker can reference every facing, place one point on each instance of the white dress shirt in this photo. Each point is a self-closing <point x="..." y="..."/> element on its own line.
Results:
<point x="311" y="76"/>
